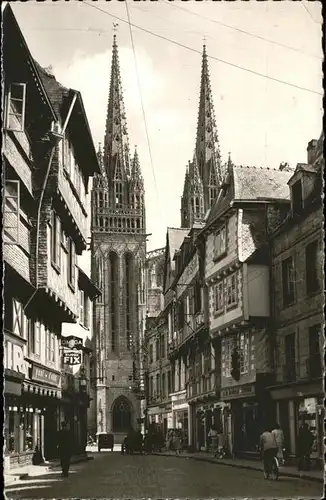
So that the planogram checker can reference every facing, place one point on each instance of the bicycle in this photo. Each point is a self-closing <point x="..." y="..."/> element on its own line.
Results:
<point x="274" y="469"/>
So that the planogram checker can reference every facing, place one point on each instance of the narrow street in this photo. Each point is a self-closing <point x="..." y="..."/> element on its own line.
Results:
<point x="112" y="475"/>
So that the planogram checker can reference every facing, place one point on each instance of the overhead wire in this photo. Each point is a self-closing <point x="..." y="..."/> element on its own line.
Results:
<point x="237" y="66"/>
<point x="242" y="31"/>
<point x="142" y="101"/>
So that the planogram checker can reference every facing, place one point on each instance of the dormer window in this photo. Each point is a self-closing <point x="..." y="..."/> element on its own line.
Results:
<point x="297" y="201"/>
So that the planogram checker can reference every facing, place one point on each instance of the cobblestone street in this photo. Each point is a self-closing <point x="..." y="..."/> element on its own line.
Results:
<point x="112" y="475"/>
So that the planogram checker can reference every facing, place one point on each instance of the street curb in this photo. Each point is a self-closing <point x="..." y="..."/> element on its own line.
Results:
<point x="75" y="461"/>
<point x="248" y="467"/>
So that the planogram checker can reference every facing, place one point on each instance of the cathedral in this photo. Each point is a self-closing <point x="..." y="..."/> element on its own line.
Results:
<point x="204" y="173"/>
<point x="118" y="246"/>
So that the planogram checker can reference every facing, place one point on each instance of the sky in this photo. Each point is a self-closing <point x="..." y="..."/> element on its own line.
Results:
<point x="260" y="121"/>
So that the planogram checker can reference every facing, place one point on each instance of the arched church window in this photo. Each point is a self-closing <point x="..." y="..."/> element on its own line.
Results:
<point x="100" y="199"/>
<point x="114" y="293"/>
<point x="121" y="415"/>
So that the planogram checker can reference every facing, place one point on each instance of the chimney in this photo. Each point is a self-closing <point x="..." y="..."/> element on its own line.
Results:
<point x="284" y="166"/>
<point x="311" y="151"/>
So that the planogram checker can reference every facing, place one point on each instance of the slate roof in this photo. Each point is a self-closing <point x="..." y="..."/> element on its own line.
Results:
<point x="252" y="183"/>
<point x="56" y="92"/>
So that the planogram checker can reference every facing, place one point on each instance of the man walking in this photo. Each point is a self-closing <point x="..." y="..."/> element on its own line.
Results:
<point x="65" y="448"/>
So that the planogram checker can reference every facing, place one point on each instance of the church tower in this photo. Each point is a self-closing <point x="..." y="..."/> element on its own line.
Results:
<point x="118" y="263"/>
<point x="204" y="173"/>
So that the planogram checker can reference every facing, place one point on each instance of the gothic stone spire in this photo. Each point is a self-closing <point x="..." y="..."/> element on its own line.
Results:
<point x="207" y="146"/>
<point x="116" y="145"/>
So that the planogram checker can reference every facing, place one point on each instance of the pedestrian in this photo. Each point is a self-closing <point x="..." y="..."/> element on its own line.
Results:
<point x="213" y="435"/>
<point x="268" y="450"/>
<point x="176" y="443"/>
<point x="305" y="442"/>
<point x="279" y="439"/>
<point x="65" y="444"/>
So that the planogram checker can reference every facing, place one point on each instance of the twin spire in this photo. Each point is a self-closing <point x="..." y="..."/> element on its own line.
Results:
<point x="204" y="173"/>
<point x="115" y="161"/>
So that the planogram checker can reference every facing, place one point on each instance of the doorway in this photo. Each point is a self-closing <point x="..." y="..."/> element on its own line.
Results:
<point x="121" y="415"/>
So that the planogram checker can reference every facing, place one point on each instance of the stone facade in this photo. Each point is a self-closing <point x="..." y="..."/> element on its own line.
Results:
<point x="118" y="268"/>
<point x="297" y="251"/>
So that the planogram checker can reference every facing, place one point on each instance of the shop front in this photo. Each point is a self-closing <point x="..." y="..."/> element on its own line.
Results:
<point x="180" y="414"/>
<point x="298" y="405"/>
<point x="42" y="396"/>
<point x="245" y="416"/>
<point x="203" y="418"/>
<point x="14" y="441"/>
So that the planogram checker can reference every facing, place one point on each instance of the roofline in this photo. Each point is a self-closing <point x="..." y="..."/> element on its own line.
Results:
<point x="91" y="283"/>
<point x="80" y="100"/>
<point x="20" y="34"/>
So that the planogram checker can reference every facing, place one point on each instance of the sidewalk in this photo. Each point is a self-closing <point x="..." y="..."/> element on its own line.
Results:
<point x="22" y="473"/>
<point x="289" y="471"/>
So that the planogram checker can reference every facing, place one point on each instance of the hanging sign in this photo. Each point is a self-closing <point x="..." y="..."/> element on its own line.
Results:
<point x="72" y="358"/>
<point x="72" y="342"/>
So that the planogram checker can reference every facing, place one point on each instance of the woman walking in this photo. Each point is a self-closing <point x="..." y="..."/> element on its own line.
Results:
<point x="213" y="435"/>
<point x="176" y="443"/>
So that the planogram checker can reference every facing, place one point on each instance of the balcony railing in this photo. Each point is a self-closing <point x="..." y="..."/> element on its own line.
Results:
<point x="314" y="366"/>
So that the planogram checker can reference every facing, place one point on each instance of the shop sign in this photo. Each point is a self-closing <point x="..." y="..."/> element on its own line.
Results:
<point x="72" y="342"/>
<point x="44" y="375"/>
<point x="72" y="358"/>
<point x="238" y="391"/>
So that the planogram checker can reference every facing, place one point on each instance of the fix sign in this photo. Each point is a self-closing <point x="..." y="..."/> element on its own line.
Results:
<point x="72" y="358"/>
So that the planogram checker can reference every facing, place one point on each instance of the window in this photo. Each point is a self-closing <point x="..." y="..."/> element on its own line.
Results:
<point x="289" y="366"/>
<point x="240" y="343"/>
<point x="151" y="358"/>
<point x="34" y="337"/>
<point x="314" y="362"/>
<point x="231" y="291"/>
<point x="18" y="318"/>
<point x="297" y="197"/>
<point x="11" y="212"/>
<point x="16" y="107"/>
<point x="118" y="195"/>
<point x="163" y="386"/>
<point x="180" y="314"/>
<point x="71" y="263"/>
<point x="220" y="242"/>
<point x="288" y="281"/>
<point x="312" y="267"/>
<point x="169" y="382"/>
<point x="243" y="348"/>
<point x="50" y="345"/>
<point x="151" y="387"/>
<point x="197" y="298"/>
<point x="219" y="297"/>
<point x="81" y="306"/>
<point x="56" y="238"/>
<point x="158" y="388"/>
<point x="157" y="349"/>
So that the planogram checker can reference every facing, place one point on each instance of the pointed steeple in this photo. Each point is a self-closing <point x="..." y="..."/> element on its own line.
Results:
<point x="118" y="204"/>
<point x="136" y="177"/>
<point x="116" y="144"/>
<point x="100" y="179"/>
<point x="205" y="171"/>
<point x="207" y="146"/>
